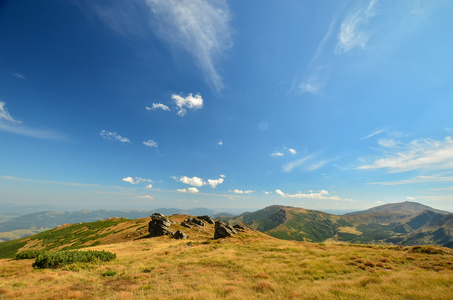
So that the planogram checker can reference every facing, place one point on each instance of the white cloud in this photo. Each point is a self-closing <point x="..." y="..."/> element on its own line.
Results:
<point x="191" y="190"/>
<point x="352" y="34"/>
<point x="146" y="197"/>
<point x="150" y="143"/>
<point x="9" y="124"/>
<point x="292" y="151"/>
<point x="276" y="154"/>
<point x="113" y="136"/>
<point x="297" y="163"/>
<point x="20" y="76"/>
<point x="199" y="27"/>
<point x="149" y="186"/>
<point x="268" y="193"/>
<point x="214" y="182"/>
<point x="131" y="180"/>
<point x="423" y="154"/>
<point x="416" y="180"/>
<point x="242" y="192"/>
<point x="137" y="180"/>
<point x="158" y="106"/>
<point x="220" y="143"/>
<point x="4" y="114"/>
<point x="373" y="134"/>
<point x="190" y="102"/>
<point x="410" y="198"/>
<point x="194" y="181"/>
<point x="223" y="176"/>
<point x="321" y="195"/>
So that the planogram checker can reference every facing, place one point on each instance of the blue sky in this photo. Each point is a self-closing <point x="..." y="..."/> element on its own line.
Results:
<point x="329" y="105"/>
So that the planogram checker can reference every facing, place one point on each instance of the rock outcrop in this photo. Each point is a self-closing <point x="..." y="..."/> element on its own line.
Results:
<point x="223" y="229"/>
<point x="206" y="218"/>
<point x="159" y="225"/>
<point x="179" y="235"/>
<point x="239" y="226"/>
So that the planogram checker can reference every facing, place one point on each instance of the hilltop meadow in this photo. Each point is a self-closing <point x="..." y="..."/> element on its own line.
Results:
<point x="248" y="265"/>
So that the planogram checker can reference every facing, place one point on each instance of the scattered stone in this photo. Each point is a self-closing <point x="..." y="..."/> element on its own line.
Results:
<point x="197" y="222"/>
<point x="158" y="225"/>
<point x="179" y="235"/>
<point x="185" y="225"/>
<point x="223" y="229"/>
<point x="240" y="226"/>
<point x="206" y="218"/>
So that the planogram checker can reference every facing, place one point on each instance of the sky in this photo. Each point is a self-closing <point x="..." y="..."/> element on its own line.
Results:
<point x="140" y="104"/>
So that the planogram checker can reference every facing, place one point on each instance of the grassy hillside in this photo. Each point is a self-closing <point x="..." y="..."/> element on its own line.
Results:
<point x="406" y="225"/>
<point x="249" y="265"/>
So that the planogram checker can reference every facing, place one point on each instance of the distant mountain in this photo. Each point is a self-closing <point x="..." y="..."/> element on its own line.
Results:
<point x="398" y="223"/>
<point x="406" y="207"/>
<point x="32" y="223"/>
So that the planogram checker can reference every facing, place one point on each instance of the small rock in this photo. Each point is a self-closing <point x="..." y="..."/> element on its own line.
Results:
<point x="197" y="222"/>
<point x="239" y="226"/>
<point x="185" y="225"/>
<point x="179" y="235"/>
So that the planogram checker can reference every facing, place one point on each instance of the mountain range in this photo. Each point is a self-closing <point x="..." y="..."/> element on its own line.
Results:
<point x="405" y="223"/>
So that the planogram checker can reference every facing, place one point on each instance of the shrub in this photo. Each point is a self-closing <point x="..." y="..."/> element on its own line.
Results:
<point x="59" y="259"/>
<point x="29" y="254"/>
<point x="109" y="273"/>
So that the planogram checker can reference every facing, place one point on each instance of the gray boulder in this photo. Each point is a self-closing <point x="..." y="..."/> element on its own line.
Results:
<point x="197" y="222"/>
<point x="223" y="229"/>
<point x="158" y="225"/>
<point x="179" y="235"/>
<point x="239" y="226"/>
<point x="206" y="218"/>
<point x="185" y="225"/>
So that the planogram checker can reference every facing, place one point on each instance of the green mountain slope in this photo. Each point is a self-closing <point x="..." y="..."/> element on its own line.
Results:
<point x="407" y="224"/>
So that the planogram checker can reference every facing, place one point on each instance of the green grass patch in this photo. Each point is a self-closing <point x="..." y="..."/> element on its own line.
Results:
<point x="8" y="249"/>
<point x="29" y="254"/>
<point x="55" y="260"/>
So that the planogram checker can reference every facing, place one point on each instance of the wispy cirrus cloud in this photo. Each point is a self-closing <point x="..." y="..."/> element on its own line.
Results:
<point x="20" y="76"/>
<point x="11" y="125"/>
<point x="113" y="136"/>
<point x="199" y="27"/>
<point x="421" y="154"/>
<point x="417" y="180"/>
<point x="321" y="195"/>
<point x="352" y="34"/>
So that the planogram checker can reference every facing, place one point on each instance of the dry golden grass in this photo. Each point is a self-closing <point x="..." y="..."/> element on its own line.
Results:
<point x="249" y="265"/>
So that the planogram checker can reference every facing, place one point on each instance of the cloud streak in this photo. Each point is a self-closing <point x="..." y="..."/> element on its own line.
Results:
<point x="200" y="27"/>
<point x="113" y="136"/>
<point x="424" y="154"/>
<point x="321" y="195"/>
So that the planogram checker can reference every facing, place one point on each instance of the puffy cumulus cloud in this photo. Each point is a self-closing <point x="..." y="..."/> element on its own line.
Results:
<point x="422" y="154"/>
<point x="158" y="106"/>
<point x="130" y="180"/>
<point x="242" y="192"/>
<point x="113" y="136"/>
<point x="194" y="181"/>
<point x="149" y="186"/>
<point x="321" y="195"/>
<point x="220" y="143"/>
<point x="4" y="114"/>
<point x="137" y="180"/>
<point x="215" y="182"/>
<point x="191" y="190"/>
<point x="292" y="151"/>
<point x="277" y="154"/>
<point x="190" y="102"/>
<point x="150" y="143"/>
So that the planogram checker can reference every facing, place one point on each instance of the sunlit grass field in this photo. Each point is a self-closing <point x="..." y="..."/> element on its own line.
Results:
<point x="249" y="265"/>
